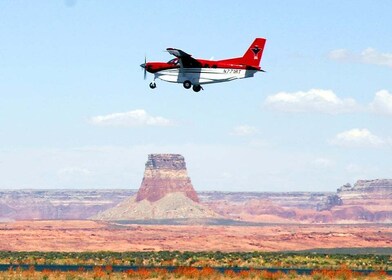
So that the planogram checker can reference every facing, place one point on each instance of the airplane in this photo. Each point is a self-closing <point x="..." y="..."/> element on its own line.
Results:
<point x="193" y="72"/>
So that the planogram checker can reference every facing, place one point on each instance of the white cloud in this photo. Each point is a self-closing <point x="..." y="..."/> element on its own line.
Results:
<point x="357" y="138"/>
<point x="244" y="130"/>
<point x="340" y="55"/>
<point x="314" y="100"/>
<point x="367" y="56"/>
<point x="371" y="56"/>
<point x="382" y="103"/>
<point x="130" y="119"/>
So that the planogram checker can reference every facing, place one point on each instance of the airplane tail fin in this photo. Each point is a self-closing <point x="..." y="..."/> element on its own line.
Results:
<point x="252" y="56"/>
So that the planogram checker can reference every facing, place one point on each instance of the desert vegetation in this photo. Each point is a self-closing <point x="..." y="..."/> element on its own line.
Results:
<point x="193" y="265"/>
<point x="202" y="259"/>
<point x="185" y="273"/>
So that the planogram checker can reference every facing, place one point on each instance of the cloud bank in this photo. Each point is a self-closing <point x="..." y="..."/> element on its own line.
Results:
<point x="130" y="119"/>
<point x="382" y="103"/>
<point x="357" y="138"/>
<point x="326" y="101"/>
<point x="367" y="56"/>
<point x="314" y="100"/>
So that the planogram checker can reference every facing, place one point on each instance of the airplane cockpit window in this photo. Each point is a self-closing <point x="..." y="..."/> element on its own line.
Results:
<point x="173" y="61"/>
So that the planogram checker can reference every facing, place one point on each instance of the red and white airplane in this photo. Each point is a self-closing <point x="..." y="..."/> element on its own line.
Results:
<point x="193" y="72"/>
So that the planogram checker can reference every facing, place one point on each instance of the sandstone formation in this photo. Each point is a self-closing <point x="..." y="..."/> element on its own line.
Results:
<point x="164" y="174"/>
<point x="378" y="189"/>
<point x="329" y="202"/>
<point x="367" y="201"/>
<point x="57" y="204"/>
<point x="166" y="192"/>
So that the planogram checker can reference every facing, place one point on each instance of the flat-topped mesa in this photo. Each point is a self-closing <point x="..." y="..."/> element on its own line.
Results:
<point x="380" y="188"/>
<point x="164" y="174"/>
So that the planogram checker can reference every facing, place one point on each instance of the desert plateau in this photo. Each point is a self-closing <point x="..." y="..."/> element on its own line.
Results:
<point x="79" y="235"/>
<point x="166" y="213"/>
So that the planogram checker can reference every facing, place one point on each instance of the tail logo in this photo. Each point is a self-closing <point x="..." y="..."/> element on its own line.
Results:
<point x="256" y="51"/>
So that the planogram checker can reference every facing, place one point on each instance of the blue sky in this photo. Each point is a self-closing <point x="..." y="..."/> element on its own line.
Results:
<point x="75" y="111"/>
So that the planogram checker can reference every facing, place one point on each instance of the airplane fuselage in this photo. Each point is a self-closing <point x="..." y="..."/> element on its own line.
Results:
<point x="203" y="76"/>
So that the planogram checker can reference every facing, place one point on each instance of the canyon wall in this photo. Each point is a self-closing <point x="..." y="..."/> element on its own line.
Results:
<point x="367" y="201"/>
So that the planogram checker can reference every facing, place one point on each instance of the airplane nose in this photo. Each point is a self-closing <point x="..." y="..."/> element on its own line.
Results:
<point x="143" y="65"/>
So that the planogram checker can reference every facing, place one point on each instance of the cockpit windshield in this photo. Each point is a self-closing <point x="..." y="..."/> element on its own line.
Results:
<point x="173" y="61"/>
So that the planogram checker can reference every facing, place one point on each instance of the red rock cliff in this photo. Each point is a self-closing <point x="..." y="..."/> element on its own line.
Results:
<point x="164" y="174"/>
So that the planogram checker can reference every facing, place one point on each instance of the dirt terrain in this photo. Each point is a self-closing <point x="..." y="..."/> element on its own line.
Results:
<point x="82" y="235"/>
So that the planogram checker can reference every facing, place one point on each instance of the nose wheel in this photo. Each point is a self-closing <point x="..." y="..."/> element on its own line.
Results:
<point x="153" y="85"/>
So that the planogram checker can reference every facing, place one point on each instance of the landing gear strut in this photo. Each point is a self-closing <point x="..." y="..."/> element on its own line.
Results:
<point x="153" y="85"/>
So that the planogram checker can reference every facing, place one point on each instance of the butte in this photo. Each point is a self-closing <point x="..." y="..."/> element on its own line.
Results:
<point x="166" y="193"/>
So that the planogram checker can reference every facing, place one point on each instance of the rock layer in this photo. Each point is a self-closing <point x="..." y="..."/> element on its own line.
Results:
<point x="164" y="174"/>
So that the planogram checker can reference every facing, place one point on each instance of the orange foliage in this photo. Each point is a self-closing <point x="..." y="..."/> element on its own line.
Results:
<point x="271" y="275"/>
<point x="162" y="272"/>
<point x="244" y="274"/>
<point x="342" y="273"/>
<point x="378" y="275"/>
<point x="109" y="269"/>
<point x="230" y="273"/>
<point x="143" y="273"/>
<point x="46" y="273"/>
<point x="98" y="272"/>
<point x="189" y="272"/>
<point x="206" y="272"/>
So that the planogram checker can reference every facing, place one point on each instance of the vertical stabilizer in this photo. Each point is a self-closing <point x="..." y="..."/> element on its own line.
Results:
<point x="252" y="56"/>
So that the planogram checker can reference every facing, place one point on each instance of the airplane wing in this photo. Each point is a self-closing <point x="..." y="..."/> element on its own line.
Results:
<point x="186" y="60"/>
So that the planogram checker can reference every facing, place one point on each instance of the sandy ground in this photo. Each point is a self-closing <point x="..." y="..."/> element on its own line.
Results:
<point x="99" y="236"/>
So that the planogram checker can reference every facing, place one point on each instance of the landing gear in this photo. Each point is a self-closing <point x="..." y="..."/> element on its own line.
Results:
<point x="187" y="84"/>
<point x="197" y="88"/>
<point x="153" y="85"/>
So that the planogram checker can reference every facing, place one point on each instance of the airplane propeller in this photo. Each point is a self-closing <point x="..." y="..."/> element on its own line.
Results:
<point x="144" y="66"/>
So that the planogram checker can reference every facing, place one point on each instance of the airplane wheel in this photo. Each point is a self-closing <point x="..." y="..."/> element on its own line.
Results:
<point x="187" y="84"/>
<point x="153" y="85"/>
<point x="196" y="88"/>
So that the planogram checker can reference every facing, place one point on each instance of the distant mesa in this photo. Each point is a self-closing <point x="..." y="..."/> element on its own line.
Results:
<point x="368" y="186"/>
<point x="164" y="174"/>
<point x="166" y="192"/>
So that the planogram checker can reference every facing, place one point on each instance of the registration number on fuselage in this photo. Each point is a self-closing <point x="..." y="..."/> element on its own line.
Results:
<point x="231" y="71"/>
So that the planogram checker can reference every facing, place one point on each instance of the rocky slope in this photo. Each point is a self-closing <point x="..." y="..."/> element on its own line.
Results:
<point x="172" y="206"/>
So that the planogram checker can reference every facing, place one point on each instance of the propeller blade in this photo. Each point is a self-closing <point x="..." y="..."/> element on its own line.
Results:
<point x="145" y="71"/>
<point x="144" y="66"/>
